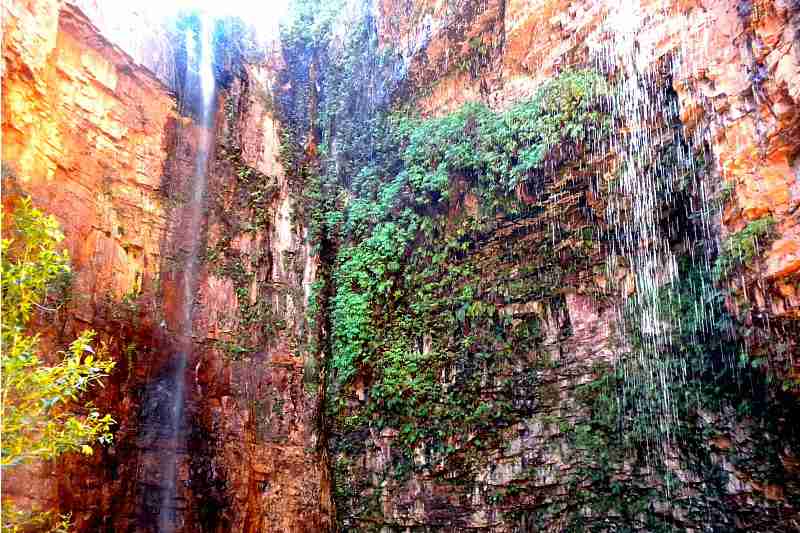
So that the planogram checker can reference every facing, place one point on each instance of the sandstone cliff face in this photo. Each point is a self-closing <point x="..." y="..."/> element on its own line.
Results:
<point x="94" y="137"/>
<point x="731" y="69"/>
<point x="735" y="74"/>
<point x="255" y="409"/>
<point x="84" y="130"/>
<point x="274" y="442"/>
<point x="742" y="85"/>
<point x="85" y="135"/>
<point x="735" y="69"/>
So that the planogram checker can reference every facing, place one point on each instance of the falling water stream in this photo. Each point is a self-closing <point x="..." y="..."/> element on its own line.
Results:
<point x="164" y="442"/>
<point x="645" y="119"/>
<point x="201" y="56"/>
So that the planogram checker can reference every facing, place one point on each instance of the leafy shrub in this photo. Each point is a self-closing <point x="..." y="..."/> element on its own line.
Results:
<point x="494" y="151"/>
<point x="42" y="413"/>
<point x="741" y="247"/>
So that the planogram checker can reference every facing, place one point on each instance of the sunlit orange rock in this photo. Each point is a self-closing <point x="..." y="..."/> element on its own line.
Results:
<point x="783" y="257"/>
<point x="84" y="135"/>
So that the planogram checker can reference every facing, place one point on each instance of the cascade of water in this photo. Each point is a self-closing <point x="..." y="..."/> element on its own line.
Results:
<point x="164" y="409"/>
<point x="644" y="118"/>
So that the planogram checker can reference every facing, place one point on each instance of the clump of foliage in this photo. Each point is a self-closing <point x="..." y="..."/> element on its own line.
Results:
<point x="18" y="521"/>
<point x="740" y="248"/>
<point x="42" y="412"/>
<point x="501" y="151"/>
<point x="494" y="152"/>
<point x="423" y="304"/>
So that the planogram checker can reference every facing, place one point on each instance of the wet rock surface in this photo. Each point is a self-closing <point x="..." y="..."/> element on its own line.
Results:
<point x="91" y="130"/>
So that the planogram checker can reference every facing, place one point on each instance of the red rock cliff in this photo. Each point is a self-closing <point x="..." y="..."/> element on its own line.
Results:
<point x="95" y="139"/>
<point x="85" y="134"/>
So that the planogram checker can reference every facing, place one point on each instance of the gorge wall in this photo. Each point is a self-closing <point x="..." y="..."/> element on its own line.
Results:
<point x="417" y="316"/>
<point x="97" y="140"/>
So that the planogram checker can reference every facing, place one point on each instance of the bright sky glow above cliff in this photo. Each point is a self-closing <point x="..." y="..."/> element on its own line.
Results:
<point x="253" y="12"/>
<point x="121" y="20"/>
<point x="263" y="15"/>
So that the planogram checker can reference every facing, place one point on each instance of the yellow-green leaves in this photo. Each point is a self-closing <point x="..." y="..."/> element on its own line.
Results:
<point x="18" y="521"/>
<point x="43" y="414"/>
<point x="30" y="262"/>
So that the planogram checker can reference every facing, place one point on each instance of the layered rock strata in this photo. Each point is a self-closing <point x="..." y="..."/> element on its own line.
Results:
<point x="97" y="139"/>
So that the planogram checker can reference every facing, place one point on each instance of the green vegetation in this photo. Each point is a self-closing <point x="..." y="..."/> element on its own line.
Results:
<point x="740" y="248"/>
<point x="43" y="413"/>
<point x="494" y="153"/>
<point x="449" y="247"/>
<point x="502" y="151"/>
<point x="422" y="306"/>
<point x="233" y="350"/>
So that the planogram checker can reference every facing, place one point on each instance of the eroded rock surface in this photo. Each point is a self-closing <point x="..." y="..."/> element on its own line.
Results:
<point x="91" y="130"/>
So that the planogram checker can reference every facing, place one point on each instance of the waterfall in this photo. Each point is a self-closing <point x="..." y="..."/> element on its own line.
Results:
<point x="645" y="119"/>
<point x="164" y="433"/>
